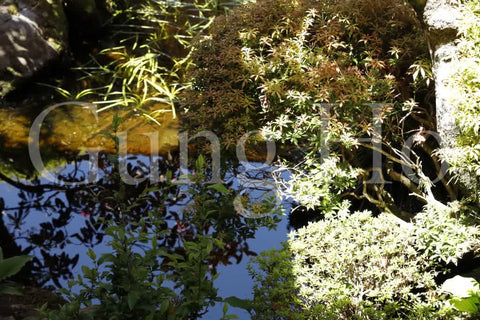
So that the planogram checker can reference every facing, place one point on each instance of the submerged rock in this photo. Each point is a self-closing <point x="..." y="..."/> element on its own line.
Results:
<point x="32" y="34"/>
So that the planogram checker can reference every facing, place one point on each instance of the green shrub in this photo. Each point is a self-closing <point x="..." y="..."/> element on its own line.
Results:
<point x="369" y="262"/>
<point x="133" y="281"/>
<point x="357" y="266"/>
<point x="275" y="294"/>
<point x="274" y="64"/>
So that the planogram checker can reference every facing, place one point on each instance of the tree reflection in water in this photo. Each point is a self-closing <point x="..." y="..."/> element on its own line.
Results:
<point x="46" y="219"/>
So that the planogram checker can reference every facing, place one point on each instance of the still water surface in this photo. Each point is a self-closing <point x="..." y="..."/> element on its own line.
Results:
<point x="57" y="223"/>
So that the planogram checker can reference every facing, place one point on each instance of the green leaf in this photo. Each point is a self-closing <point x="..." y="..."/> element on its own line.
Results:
<point x="218" y="187"/>
<point x="106" y="257"/>
<point x="225" y="309"/>
<point x="88" y="272"/>
<point x="209" y="247"/>
<point x="91" y="254"/>
<point x="199" y="163"/>
<point x="164" y="307"/>
<point x="239" y="303"/>
<point x="116" y="121"/>
<point x="465" y="305"/>
<point x="132" y="299"/>
<point x="13" y="265"/>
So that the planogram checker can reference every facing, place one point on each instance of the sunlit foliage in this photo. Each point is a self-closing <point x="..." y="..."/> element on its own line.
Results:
<point x="464" y="92"/>
<point x="142" y="62"/>
<point x="355" y="266"/>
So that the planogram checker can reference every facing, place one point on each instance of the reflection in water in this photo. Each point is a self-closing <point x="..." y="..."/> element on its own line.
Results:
<point x="73" y="128"/>
<point x="50" y="220"/>
<point x="37" y="217"/>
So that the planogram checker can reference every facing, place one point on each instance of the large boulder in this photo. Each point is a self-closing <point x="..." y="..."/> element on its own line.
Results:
<point x="32" y="34"/>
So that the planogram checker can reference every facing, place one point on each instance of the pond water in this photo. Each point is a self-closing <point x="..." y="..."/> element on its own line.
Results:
<point x="57" y="221"/>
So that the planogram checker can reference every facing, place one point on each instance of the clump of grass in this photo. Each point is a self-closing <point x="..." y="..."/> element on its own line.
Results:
<point x="144" y="67"/>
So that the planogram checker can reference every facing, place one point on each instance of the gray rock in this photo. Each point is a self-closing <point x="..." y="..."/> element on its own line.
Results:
<point x="32" y="34"/>
<point x="441" y="18"/>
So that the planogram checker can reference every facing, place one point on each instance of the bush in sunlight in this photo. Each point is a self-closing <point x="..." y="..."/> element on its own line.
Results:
<point x="464" y="90"/>
<point x="357" y="266"/>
